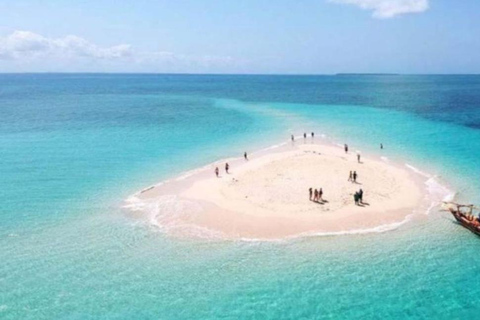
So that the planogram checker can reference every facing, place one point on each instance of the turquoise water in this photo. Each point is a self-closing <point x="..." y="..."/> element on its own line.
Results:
<point x="74" y="147"/>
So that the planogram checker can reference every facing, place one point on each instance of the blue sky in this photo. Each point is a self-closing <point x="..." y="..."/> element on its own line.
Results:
<point x="248" y="36"/>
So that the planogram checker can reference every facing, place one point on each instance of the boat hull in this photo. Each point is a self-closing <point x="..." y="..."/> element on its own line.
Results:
<point x="467" y="224"/>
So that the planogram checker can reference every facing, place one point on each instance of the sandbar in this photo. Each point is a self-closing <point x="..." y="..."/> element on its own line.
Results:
<point x="266" y="197"/>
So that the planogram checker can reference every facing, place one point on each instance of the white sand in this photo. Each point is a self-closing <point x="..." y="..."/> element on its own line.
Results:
<point x="267" y="196"/>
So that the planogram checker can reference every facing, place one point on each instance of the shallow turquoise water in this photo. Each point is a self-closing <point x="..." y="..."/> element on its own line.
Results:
<point x="73" y="147"/>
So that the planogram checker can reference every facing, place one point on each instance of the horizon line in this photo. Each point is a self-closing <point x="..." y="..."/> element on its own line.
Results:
<point x="241" y="74"/>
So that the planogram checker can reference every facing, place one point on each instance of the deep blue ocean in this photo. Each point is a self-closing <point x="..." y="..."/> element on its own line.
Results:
<point x="73" y="147"/>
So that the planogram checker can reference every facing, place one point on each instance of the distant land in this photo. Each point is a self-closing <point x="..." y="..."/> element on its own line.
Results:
<point x="367" y="74"/>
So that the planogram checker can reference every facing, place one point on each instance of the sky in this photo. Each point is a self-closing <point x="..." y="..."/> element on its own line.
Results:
<point x="242" y="36"/>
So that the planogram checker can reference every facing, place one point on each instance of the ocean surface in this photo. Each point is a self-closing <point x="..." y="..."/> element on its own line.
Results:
<point x="73" y="147"/>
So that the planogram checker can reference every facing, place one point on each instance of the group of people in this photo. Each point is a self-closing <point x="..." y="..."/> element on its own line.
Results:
<point x="292" y="137"/>
<point x="358" y="197"/>
<point x="353" y="176"/>
<point x="227" y="166"/>
<point x="315" y="195"/>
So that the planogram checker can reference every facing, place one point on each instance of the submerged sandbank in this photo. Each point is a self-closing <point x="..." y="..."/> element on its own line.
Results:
<point x="267" y="196"/>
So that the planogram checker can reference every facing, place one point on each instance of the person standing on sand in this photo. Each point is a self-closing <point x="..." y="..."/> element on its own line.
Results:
<point x="346" y="148"/>
<point x="358" y="157"/>
<point x="360" y="196"/>
<point x="313" y="134"/>
<point x="227" y="167"/>
<point x="245" y="155"/>
<point x="310" y="192"/>
<point x="350" y="177"/>
<point x="304" y="135"/>
<point x="355" y="176"/>
<point x="320" y="194"/>
<point x="293" y="138"/>
<point x="216" y="171"/>
<point x="355" y="198"/>
<point x="315" y="195"/>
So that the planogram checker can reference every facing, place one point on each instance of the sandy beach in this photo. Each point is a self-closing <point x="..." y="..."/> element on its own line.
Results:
<point x="267" y="196"/>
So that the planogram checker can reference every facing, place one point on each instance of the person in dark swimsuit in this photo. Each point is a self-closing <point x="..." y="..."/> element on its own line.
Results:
<point x="227" y="167"/>
<point x="354" y="176"/>
<point x="216" y="171"/>
<point x="245" y="156"/>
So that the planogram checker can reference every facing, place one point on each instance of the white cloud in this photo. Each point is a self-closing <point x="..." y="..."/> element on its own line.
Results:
<point x="72" y="53"/>
<point x="384" y="9"/>
<point x="26" y="44"/>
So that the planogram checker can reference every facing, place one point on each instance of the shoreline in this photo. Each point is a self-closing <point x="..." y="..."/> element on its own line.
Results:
<point x="195" y="204"/>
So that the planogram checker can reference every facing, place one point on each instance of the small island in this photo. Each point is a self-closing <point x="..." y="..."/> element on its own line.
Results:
<point x="267" y="196"/>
